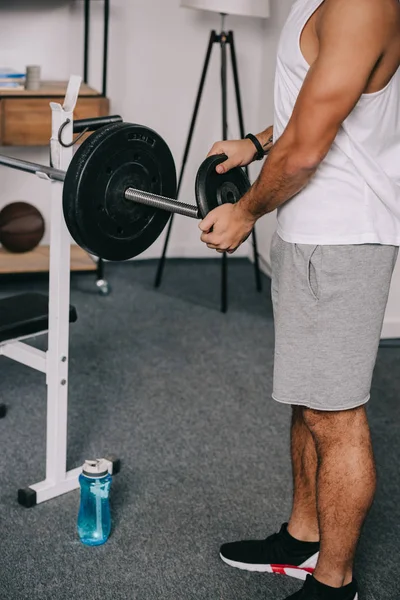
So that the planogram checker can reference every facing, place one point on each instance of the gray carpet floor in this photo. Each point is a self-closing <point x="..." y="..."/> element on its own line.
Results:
<point x="182" y="395"/>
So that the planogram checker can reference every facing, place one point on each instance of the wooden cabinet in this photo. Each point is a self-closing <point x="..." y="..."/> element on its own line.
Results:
<point x="25" y="120"/>
<point x="25" y="116"/>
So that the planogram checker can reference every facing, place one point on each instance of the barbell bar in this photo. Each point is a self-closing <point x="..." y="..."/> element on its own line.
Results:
<point x="119" y="189"/>
<point x="30" y="167"/>
<point x="134" y="195"/>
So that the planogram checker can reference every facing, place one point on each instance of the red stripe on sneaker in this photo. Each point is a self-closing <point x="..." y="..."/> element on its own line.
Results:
<point x="278" y="569"/>
<point x="281" y="569"/>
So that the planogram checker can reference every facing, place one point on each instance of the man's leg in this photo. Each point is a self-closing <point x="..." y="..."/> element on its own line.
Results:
<point x="303" y="524"/>
<point x="346" y="483"/>
<point x="294" y="550"/>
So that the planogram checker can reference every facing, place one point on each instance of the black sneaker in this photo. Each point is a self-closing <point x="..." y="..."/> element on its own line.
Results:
<point x="279" y="553"/>
<point x="314" y="590"/>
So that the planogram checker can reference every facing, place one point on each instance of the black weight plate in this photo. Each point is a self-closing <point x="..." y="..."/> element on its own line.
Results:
<point x="213" y="189"/>
<point x="72" y="181"/>
<point x="112" y="159"/>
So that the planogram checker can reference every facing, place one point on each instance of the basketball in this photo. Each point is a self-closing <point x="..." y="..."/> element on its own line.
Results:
<point x="21" y="227"/>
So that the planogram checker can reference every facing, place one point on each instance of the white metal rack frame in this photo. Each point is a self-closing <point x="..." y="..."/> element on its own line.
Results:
<point x="54" y="362"/>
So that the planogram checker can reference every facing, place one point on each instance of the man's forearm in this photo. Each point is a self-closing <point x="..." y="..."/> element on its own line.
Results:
<point x="283" y="175"/>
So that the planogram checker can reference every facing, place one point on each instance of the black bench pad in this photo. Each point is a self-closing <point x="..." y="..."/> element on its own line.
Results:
<point x="26" y="314"/>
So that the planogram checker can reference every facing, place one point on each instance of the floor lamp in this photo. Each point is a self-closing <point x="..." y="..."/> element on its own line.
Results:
<point x="248" y="8"/>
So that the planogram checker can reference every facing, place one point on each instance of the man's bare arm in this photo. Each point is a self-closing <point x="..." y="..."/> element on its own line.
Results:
<point x="352" y="37"/>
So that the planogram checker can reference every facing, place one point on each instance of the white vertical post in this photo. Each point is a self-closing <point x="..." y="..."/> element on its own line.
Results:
<point x="59" y="297"/>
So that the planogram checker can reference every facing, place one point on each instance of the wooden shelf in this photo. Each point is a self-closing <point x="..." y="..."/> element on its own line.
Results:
<point x="25" y="120"/>
<point x="25" y="116"/>
<point x="37" y="261"/>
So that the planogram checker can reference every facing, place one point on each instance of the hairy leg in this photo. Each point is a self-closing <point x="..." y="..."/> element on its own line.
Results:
<point x="303" y="524"/>
<point x="346" y="483"/>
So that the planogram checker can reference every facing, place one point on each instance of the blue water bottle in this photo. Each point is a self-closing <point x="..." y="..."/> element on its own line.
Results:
<point x="94" y="518"/>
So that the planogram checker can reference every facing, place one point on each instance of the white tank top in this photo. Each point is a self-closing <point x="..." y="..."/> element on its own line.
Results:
<point x="354" y="198"/>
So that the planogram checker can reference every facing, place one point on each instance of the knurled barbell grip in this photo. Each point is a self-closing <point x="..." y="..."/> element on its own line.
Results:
<point x="168" y="204"/>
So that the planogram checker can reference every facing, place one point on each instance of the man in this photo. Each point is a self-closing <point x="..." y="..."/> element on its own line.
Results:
<point x="334" y="175"/>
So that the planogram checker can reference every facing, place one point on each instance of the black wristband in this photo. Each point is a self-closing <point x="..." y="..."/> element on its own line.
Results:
<point x="260" y="150"/>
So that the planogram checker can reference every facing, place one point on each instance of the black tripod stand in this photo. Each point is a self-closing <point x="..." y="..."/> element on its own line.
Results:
<point x="223" y="39"/>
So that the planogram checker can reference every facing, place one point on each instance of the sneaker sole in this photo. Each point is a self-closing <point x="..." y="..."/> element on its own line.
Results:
<point x="300" y="572"/>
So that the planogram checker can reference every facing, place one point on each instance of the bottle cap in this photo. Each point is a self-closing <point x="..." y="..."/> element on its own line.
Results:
<point x="95" y="468"/>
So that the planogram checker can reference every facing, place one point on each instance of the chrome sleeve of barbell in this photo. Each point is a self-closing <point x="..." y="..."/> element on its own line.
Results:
<point x="30" y="167"/>
<point x="163" y="203"/>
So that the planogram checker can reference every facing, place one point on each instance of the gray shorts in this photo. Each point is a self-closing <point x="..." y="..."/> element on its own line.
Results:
<point x="329" y="305"/>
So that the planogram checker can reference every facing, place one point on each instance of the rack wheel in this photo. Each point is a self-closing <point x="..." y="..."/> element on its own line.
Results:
<point x="103" y="287"/>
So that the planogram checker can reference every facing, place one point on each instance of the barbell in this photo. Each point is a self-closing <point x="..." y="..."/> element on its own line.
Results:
<point x="120" y="189"/>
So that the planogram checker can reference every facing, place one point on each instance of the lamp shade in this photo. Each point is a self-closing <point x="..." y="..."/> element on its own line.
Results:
<point x="246" y="8"/>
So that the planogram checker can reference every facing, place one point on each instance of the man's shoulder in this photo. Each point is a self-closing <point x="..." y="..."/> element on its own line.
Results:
<point x="377" y="15"/>
<point x="383" y="10"/>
